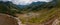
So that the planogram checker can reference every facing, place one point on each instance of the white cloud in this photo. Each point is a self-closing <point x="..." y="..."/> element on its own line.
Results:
<point x="5" y="0"/>
<point x="24" y="2"/>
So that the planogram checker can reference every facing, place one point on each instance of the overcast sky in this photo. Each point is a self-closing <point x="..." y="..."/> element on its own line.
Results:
<point x="25" y="2"/>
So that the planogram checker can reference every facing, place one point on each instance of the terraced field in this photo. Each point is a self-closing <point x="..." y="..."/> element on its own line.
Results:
<point x="43" y="17"/>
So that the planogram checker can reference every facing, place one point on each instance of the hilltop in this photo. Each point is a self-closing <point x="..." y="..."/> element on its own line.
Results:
<point x="33" y="14"/>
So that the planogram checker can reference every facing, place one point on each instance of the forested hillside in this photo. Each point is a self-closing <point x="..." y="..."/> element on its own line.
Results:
<point x="37" y="13"/>
<point x="8" y="8"/>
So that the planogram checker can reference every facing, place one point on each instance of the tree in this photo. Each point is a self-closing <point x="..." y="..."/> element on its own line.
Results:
<point x="8" y="8"/>
<point x="58" y="2"/>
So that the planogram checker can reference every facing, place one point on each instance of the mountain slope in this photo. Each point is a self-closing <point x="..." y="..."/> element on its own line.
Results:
<point x="7" y="20"/>
<point x="36" y="6"/>
<point x="8" y="8"/>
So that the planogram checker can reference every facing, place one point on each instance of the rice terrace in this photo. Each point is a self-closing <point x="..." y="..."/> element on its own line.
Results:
<point x="29" y="12"/>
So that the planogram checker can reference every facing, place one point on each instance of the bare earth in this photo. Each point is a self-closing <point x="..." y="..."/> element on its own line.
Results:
<point x="7" y="20"/>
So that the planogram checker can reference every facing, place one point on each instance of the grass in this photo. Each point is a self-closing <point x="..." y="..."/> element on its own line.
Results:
<point x="44" y="16"/>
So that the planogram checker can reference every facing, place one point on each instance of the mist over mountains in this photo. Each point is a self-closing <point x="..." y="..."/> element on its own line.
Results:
<point x="36" y="13"/>
<point x="39" y="3"/>
<point x="8" y="8"/>
<point x="25" y="2"/>
<point x="31" y="7"/>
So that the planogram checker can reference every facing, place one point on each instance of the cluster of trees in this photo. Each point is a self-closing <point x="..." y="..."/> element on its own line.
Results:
<point x="11" y="9"/>
<point x="36" y="6"/>
<point x="58" y="3"/>
<point x="8" y="8"/>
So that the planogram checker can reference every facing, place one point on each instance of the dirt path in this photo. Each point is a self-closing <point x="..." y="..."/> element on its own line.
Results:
<point x="9" y="20"/>
<point x="56" y="22"/>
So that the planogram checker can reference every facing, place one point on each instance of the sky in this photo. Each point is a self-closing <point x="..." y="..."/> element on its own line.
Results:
<point x="25" y="2"/>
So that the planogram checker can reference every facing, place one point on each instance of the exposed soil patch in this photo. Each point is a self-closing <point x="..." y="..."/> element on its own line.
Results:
<point x="7" y="20"/>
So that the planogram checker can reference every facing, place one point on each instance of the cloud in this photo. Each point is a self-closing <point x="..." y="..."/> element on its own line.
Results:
<point x="25" y="2"/>
<point x="5" y="0"/>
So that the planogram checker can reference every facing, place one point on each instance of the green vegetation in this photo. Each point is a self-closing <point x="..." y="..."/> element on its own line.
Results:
<point x="48" y="11"/>
<point x="43" y="17"/>
<point x="51" y="12"/>
<point x="8" y="8"/>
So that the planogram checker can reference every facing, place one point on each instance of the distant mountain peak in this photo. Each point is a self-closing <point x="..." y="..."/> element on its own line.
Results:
<point x="5" y="2"/>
